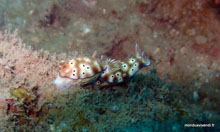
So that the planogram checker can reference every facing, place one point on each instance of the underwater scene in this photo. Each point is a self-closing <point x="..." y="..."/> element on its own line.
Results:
<point x="109" y="66"/>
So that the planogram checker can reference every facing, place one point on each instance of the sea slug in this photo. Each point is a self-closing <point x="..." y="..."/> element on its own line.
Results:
<point x="92" y="71"/>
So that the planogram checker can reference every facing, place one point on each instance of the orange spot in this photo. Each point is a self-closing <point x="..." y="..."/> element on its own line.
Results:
<point x="65" y="66"/>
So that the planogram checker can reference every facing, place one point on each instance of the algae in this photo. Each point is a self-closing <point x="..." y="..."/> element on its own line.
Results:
<point x="146" y="100"/>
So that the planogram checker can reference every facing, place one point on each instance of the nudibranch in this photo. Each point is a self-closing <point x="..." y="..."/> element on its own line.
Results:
<point x="90" y="71"/>
<point x="119" y="71"/>
<point x="81" y="68"/>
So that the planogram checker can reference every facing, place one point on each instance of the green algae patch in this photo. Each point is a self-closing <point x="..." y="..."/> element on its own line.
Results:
<point x="19" y="93"/>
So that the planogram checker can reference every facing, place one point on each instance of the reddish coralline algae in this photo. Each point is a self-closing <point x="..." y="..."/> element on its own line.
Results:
<point x="22" y="67"/>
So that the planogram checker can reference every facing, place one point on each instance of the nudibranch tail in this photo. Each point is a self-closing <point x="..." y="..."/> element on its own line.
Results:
<point x="62" y="82"/>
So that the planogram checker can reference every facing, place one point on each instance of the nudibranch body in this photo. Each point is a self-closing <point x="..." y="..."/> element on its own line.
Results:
<point x="80" y="68"/>
<point x="119" y="71"/>
<point x="88" y="71"/>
